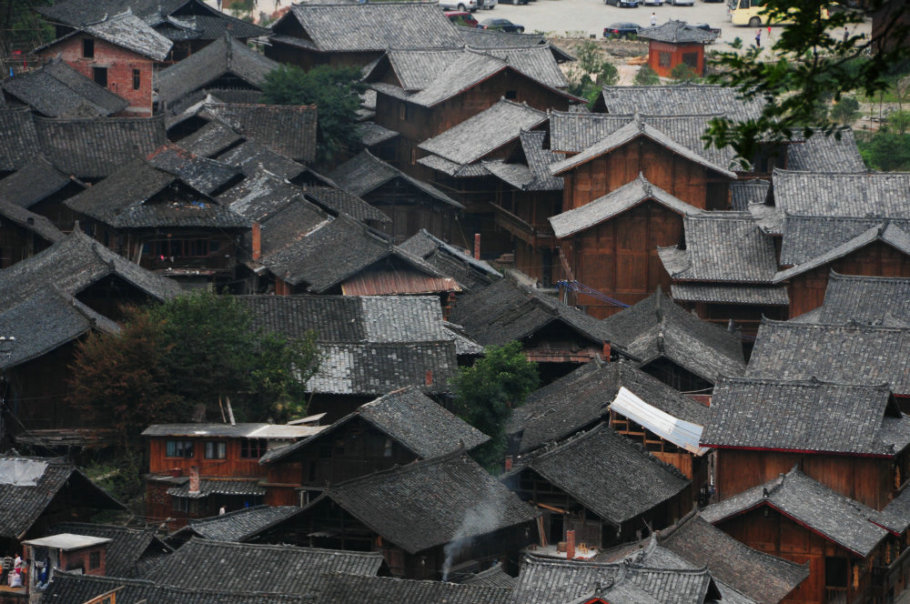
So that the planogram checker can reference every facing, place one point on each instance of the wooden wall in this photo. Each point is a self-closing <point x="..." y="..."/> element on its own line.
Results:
<point x="17" y="243"/>
<point x="676" y="53"/>
<point x="869" y="480"/>
<point x="231" y="466"/>
<point x="411" y="210"/>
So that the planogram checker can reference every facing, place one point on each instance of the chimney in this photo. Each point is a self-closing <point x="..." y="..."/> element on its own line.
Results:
<point x="428" y="378"/>
<point x="607" y="350"/>
<point x="194" y="480"/>
<point x="476" y="246"/>
<point x="508" y="463"/>
<point x="570" y="545"/>
<point x="257" y="241"/>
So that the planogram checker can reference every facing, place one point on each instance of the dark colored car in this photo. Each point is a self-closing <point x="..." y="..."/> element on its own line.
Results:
<point x="621" y="30"/>
<point x="706" y="27"/>
<point x="462" y="18"/>
<point x="502" y="25"/>
<point x="623" y="3"/>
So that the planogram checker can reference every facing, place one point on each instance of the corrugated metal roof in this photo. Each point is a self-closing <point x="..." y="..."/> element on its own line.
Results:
<point x="379" y="283"/>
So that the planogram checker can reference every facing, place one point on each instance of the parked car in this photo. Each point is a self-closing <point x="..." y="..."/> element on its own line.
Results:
<point x="502" y="25"/>
<point x="621" y="30"/>
<point x="460" y="5"/>
<point x="682" y="2"/>
<point x="706" y="27"/>
<point x="462" y="18"/>
<point x="655" y="2"/>
<point x="488" y="4"/>
<point x="623" y="3"/>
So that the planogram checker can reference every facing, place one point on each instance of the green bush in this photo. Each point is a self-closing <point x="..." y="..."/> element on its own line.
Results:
<point x="646" y="76"/>
<point x="683" y="72"/>
<point x="846" y="111"/>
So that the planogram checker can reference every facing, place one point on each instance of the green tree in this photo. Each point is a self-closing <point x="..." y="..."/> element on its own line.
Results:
<point x="336" y="94"/>
<point x="592" y="72"/>
<point x="487" y="392"/>
<point x="846" y="111"/>
<point x="22" y="29"/>
<point x="683" y="72"/>
<point x="646" y="76"/>
<point x="810" y="62"/>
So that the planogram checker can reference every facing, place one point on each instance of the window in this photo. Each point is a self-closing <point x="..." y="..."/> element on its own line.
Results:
<point x="511" y="94"/>
<point x="387" y="449"/>
<point x="179" y="448"/>
<point x="215" y="449"/>
<point x="690" y="59"/>
<point x="663" y="59"/>
<point x="253" y="448"/>
<point x="99" y="74"/>
<point x="88" y="48"/>
<point x="94" y="560"/>
<point x="137" y="79"/>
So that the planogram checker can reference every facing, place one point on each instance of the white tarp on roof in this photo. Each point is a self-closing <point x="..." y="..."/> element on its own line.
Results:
<point x="21" y="472"/>
<point x="683" y="434"/>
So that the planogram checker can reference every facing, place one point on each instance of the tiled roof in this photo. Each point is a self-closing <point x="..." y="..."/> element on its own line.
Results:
<point x="746" y="193"/>
<point x="896" y="515"/>
<point x="677" y="99"/>
<point x="95" y="148"/>
<point x="677" y="32"/>
<point x="806" y="238"/>
<point x="28" y="485"/>
<point x="615" y="202"/>
<point x="226" y="56"/>
<point x="410" y="418"/>
<point x="211" y="140"/>
<point x="365" y="27"/>
<point x="581" y="399"/>
<point x="126" y="548"/>
<point x="73" y="264"/>
<point x="287" y="129"/>
<point x="29" y="221"/>
<point x="647" y="128"/>
<point x="764" y="578"/>
<point x="239" y="524"/>
<point x="485" y="132"/>
<point x="236" y="430"/>
<point x="506" y="311"/>
<point x="125" y="30"/>
<point x="539" y="161"/>
<point x="208" y="488"/>
<point x="820" y="153"/>
<point x="847" y="299"/>
<point x="764" y="295"/>
<point x="364" y="173"/>
<point x="252" y="158"/>
<point x="494" y="576"/>
<point x="609" y="475"/>
<point x="839" y="519"/>
<point x="36" y="180"/>
<point x="20" y="139"/>
<point x="339" y="201"/>
<point x="282" y="569"/>
<point x="809" y="416"/>
<point x="338" y="588"/>
<point x="835" y="353"/>
<point x="536" y="62"/>
<point x="372" y="133"/>
<point x="67" y="587"/>
<point x="722" y="246"/>
<point x="451" y="261"/>
<point x="58" y="90"/>
<point x="424" y="504"/>
<point x="658" y="328"/>
<point x="833" y="194"/>
<point x="203" y="174"/>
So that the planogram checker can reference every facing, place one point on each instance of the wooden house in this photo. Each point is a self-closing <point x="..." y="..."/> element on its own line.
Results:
<point x="759" y="428"/>
<point x="847" y="300"/>
<point x="676" y="99"/>
<point x="40" y="188"/>
<point x="237" y="525"/>
<point x="676" y="43"/>
<point x="471" y="273"/>
<point x="370" y="345"/>
<point x="23" y="233"/>
<point x="119" y="52"/>
<point x="357" y="34"/>
<point x="129" y="550"/>
<point x="57" y="90"/>
<point x="430" y="519"/>
<point x="196" y="469"/>
<point x="189" y="24"/>
<point x="227" y="64"/>
<point x="674" y="345"/>
<point x="410" y="204"/>
<point x="796" y="518"/>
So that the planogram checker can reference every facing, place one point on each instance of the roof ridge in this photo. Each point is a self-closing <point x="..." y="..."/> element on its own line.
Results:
<point x="806" y="382"/>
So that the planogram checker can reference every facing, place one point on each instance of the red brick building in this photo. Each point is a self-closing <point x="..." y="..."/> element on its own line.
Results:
<point x="119" y="53"/>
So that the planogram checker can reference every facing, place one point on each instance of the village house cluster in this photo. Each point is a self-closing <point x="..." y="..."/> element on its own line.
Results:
<point x="724" y="349"/>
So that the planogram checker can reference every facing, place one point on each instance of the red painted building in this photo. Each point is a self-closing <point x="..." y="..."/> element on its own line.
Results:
<point x="676" y="42"/>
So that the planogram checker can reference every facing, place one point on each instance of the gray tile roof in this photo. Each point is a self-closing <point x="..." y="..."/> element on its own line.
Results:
<point x="239" y="524"/>
<point x="761" y="577"/>
<point x="364" y="173"/>
<point x="506" y="311"/>
<point x="819" y="153"/>
<point x="677" y="32"/>
<point x="28" y="485"/>
<point x="806" y="238"/>
<point x="424" y="504"/>
<point x="125" y="30"/>
<point x="590" y="467"/>
<point x="29" y="221"/>
<point x="581" y="399"/>
<point x="211" y="140"/>
<point x="494" y="576"/>
<point x="848" y="297"/>
<point x="793" y="351"/>
<point x="678" y="99"/>
<point x="208" y="488"/>
<point x="58" y="90"/>
<point x="337" y="201"/>
<point x="72" y="145"/>
<point x="20" y="138"/>
<point x="252" y="158"/>
<point x="241" y="567"/>
<point x="833" y="194"/>
<point x="896" y="515"/>
<point x="839" y="519"/>
<point x="450" y="260"/>
<point x="658" y="328"/>
<point x="35" y="181"/>
<point x="372" y="133"/>
<point x="203" y="174"/>
<point x="365" y="27"/>
<point x="408" y="416"/>
<point x="226" y="56"/>
<point x="746" y="193"/>
<point x="286" y="129"/>
<point x="339" y="588"/>
<point x="126" y="548"/>
<point x="775" y="295"/>
<point x="616" y="202"/>
<point x="722" y="246"/>
<point x="536" y="62"/>
<point x="73" y="264"/>
<point x="812" y="416"/>
<point x="483" y="133"/>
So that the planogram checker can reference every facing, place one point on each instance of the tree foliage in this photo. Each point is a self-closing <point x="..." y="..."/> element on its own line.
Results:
<point x="336" y="94"/>
<point x="809" y="63"/>
<point x="197" y="349"/>
<point x="486" y="393"/>
<point x="646" y="76"/>
<point x="683" y="72"/>
<point x="846" y="111"/>
<point x="592" y="72"/>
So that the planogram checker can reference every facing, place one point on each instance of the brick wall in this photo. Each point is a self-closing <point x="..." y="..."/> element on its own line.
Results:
<point x="120" y="64"/>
